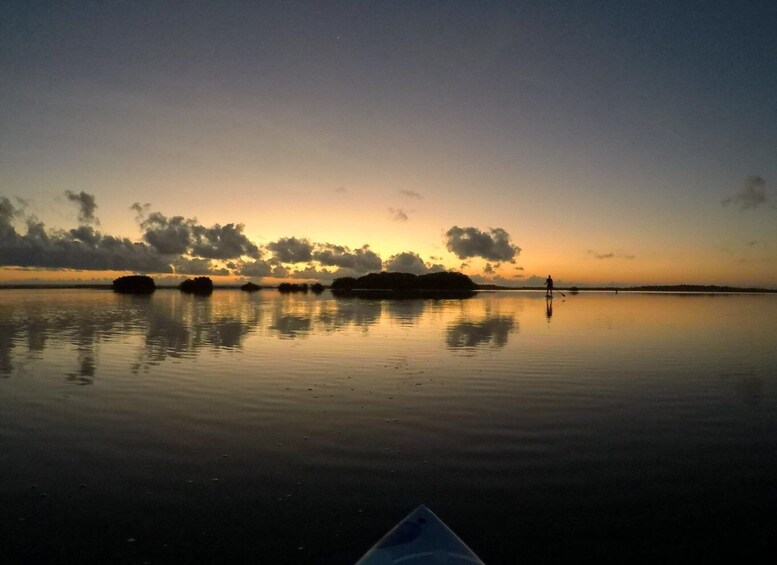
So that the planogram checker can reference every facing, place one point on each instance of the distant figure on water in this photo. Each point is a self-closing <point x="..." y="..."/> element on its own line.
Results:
<point x="549" y="286"/>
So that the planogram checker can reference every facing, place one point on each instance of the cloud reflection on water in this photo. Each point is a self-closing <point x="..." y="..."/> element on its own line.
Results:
<point x="169" y="325"/>
<point x="491" y="331"/>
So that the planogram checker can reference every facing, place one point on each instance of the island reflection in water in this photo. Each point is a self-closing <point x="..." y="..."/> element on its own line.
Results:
<point x="212" y="424"/>
<point x="174" y="325"/>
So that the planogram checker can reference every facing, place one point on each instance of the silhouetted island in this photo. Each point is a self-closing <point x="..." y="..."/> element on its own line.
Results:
<point x="292" y="287"/>
<point x="197" y="285"/>
<point x="317" y="288"/>
<point x="134" y="284"/>
<point x="395" y="285"/>
<point x="250" y="287"/>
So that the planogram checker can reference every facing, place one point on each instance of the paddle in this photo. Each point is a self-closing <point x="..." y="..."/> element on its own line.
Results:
<point x="561" y="293"/>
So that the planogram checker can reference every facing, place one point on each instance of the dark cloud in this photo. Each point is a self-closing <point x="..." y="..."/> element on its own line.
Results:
<point x="610" y="255"/>
<point x="85" y="234"/>
<point x="360" y="261"/>
<point x="86" y="206"/>
<point x="180" y="245"/>
<point x="488" y="269"/>
<point x="256" y="269"/>
<point x="279" y="271"/>
<point x="398" y="214"/>
<point x="223" y="242"/>
<point x="310" y="272"/>
<point x="752" y="194"/>
<point x="198" y="267"/>
<point x="169" y="243"/>
<point x="82" y="248"/>
<point x="471" y="242"/>
<point x="169" y="236"/>
<point x="178" y="235"/>
<point x="410" y="194"/>
<point x="291" y="250"/>
<point x="409" y="262"/>
<point x="8" y="213"/>
<point x="141" y="211"/>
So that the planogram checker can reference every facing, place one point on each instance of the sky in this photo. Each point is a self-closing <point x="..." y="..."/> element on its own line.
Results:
<point x="600" y="142"/>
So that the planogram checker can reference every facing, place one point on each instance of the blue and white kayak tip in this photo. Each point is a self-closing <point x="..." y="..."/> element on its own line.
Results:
<point x="421" y="538"/>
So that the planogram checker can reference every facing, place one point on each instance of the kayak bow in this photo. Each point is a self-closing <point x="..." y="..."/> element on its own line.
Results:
<point x="419" y="539"/>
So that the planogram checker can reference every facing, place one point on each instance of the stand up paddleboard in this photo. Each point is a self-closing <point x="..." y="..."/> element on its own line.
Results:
<point x="421" y="538"/>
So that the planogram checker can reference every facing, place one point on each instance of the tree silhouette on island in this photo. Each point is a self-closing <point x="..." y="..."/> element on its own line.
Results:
<point x="134" y="284"/>
<point x="443" y="284"/>
<point x="197" y="285"/>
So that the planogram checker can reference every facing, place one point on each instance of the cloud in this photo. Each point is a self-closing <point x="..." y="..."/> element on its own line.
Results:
<point x="409" y="262"/>
<point x="471" y="242"/>
<point x="610" y="255"/>
<point x="411" y="194"/>
<point x="141" y="211"/>
<point x="223" y="242"/>
<point x="169" y="236"/>
<point x="534" y="280"/>
<point x="279" y="271"/>
<point x="255" y="269"/>
<point x="169" y="243"/>
<point x="197" y="266"/>
<point x="291" y="250"/>
<point x="398" y="215"/>
<point x="86" y="206"/>
<point x="310" y="272"/>
<point x="180" y="245"/>
<point x="341" y="190"/>
<point x="7" y="212"/>
<point x="82" y="248"/>
<point x="495" y="279"/>
<point x="488" y="269"/>
<point x="178" y="235"/>
<point x="86" y="234"/>
<point x="751" y="195"/>
<point x="361" y="261"/>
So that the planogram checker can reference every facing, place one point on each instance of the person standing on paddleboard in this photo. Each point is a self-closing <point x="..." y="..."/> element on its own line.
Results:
<point x="549" y="286"/>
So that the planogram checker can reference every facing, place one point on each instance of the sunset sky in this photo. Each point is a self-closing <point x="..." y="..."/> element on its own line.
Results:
<point x="600" y="142"/>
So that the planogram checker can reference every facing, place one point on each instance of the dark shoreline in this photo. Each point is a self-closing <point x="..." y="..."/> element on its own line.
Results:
<point x="685" y="289"/>
<point x="680" y="288"/>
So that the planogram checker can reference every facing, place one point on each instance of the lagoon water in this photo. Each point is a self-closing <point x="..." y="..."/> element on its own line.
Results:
<point x="272" y="428"/>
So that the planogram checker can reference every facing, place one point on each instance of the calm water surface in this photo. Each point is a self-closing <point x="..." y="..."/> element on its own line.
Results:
<point x="299" y="429"/>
